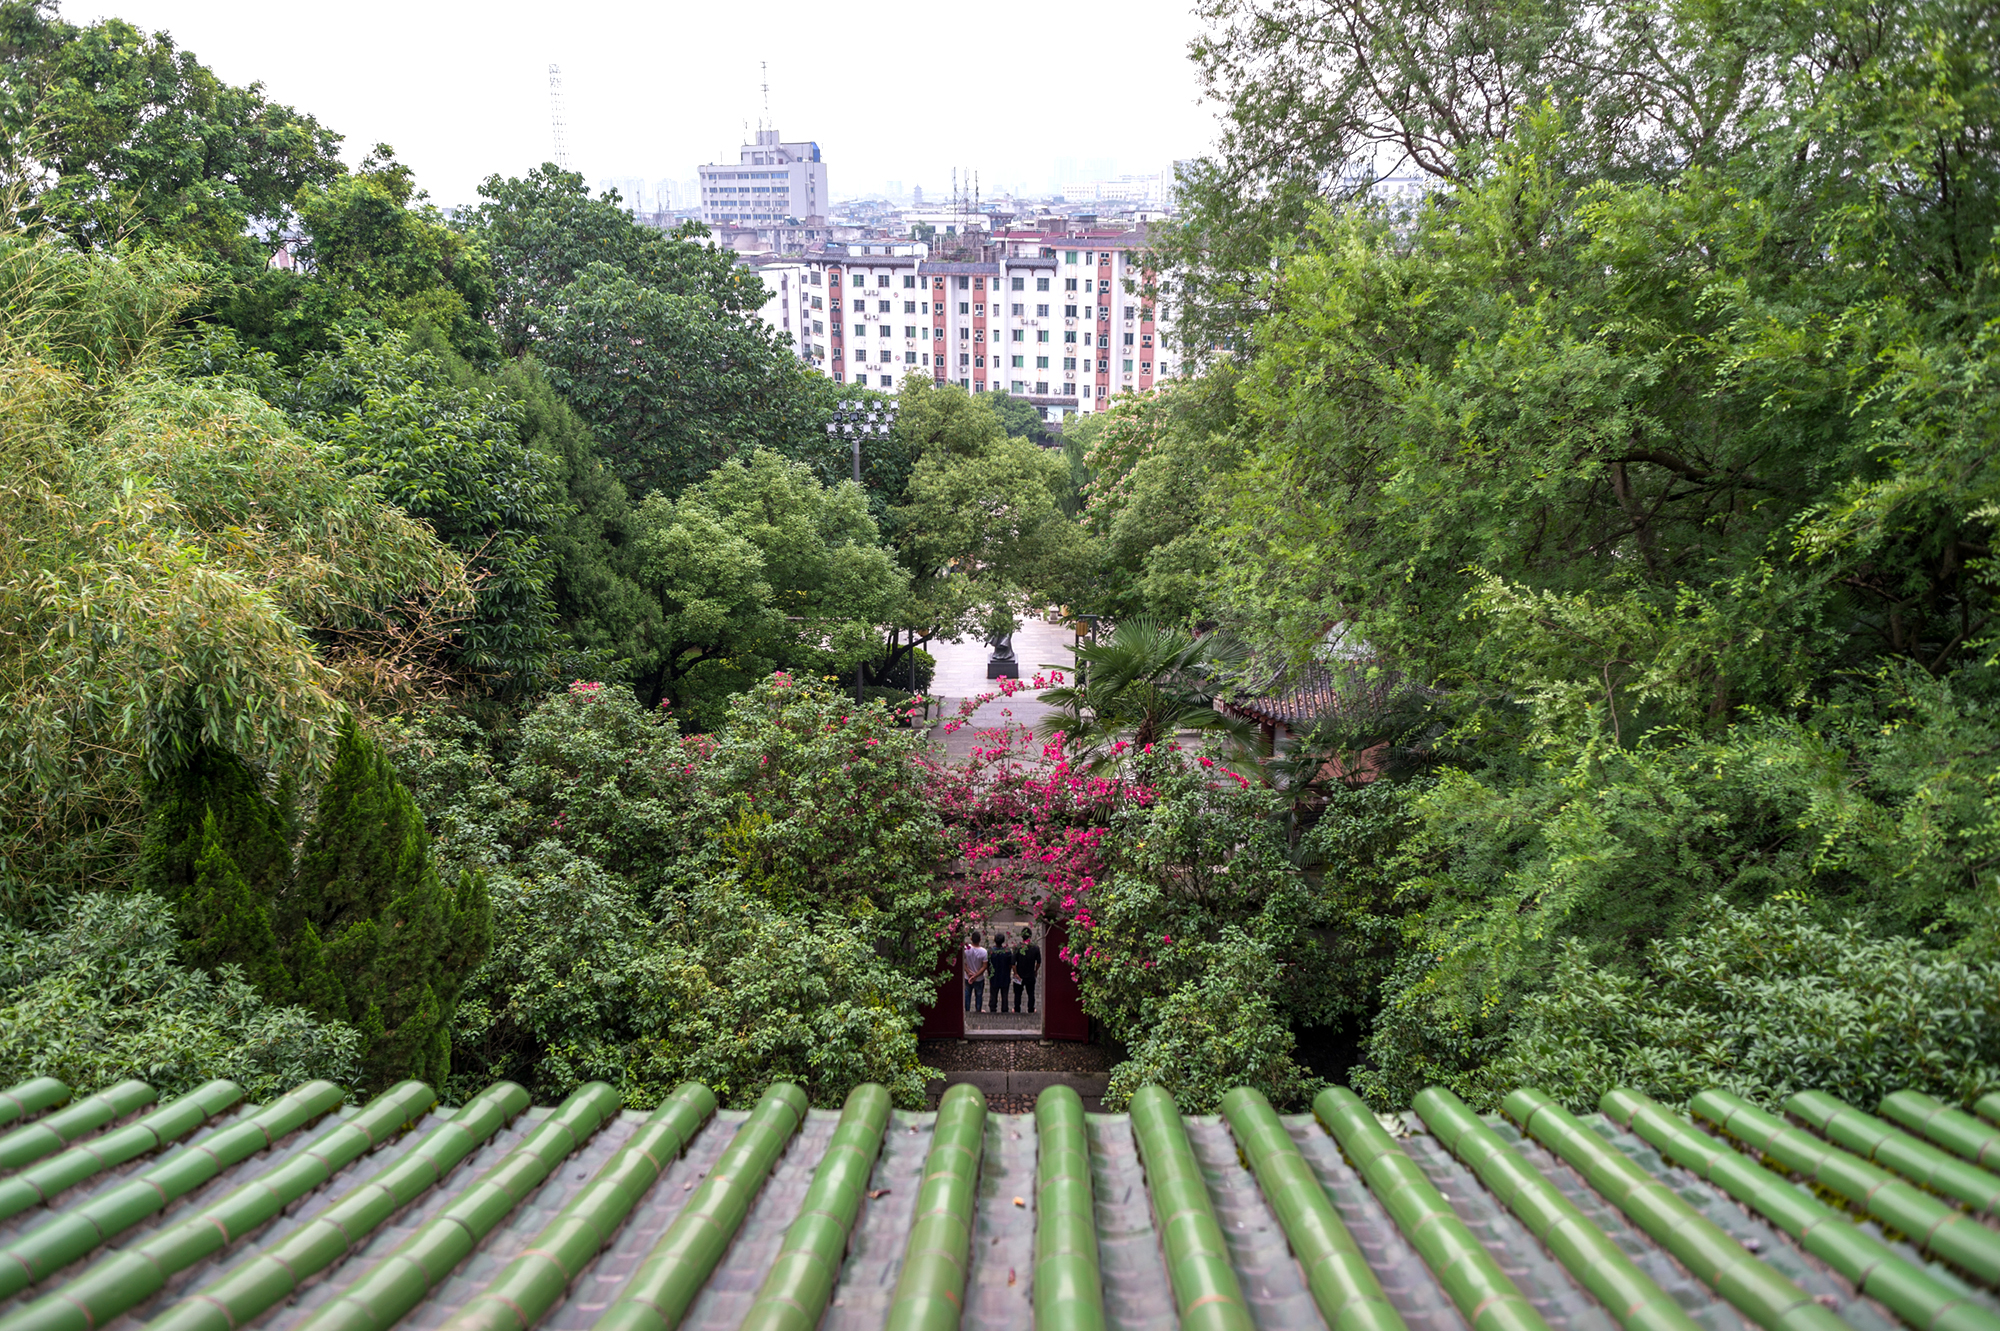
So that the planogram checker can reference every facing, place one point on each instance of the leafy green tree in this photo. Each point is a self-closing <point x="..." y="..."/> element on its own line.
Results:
<point x="118" y="137"/>
<point x="446" y="445"/>
<point x="1021" y="419"/>
<point x="374" y="251"/>
<point x="375" y="939"/>
<point x="674" y="383"/>
<point x="981" y="527"/>
<point x="757" y="566"/>
<point x="541" y="234"/>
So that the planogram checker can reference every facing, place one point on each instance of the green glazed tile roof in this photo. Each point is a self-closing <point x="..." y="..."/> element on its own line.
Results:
<point x="207" y="1214"/>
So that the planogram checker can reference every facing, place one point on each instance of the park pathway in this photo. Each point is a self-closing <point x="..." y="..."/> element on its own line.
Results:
<point x="961" y="673"/>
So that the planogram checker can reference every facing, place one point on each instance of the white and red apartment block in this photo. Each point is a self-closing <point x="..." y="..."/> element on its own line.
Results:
<point x="1040" y="315"/>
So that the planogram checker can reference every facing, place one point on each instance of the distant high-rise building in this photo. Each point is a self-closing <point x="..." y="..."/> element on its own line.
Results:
<point x="771" y="181"/>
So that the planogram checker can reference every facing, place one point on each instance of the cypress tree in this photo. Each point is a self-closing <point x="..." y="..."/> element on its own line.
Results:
<point x="219" y="850"/>
<point x="374" y="939"/>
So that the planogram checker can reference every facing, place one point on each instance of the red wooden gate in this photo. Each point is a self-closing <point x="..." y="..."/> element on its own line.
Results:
<point x="945" y="1018"/>
<point x="1062" y="1001"/>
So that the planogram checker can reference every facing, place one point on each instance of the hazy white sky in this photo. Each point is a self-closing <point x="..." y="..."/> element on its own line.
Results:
<point x="891" y="92"/>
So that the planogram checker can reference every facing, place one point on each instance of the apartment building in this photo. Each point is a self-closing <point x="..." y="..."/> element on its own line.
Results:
<point x="1045" y="317"/>
<point x="770" y="182"/>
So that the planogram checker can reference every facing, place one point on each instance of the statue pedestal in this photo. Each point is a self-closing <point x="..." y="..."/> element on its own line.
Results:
<point x="1002" y="665"/>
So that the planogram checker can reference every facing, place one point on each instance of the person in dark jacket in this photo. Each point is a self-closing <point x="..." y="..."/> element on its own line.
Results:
<point x="1027" y="965"/>
<point x="1001" y="961"/>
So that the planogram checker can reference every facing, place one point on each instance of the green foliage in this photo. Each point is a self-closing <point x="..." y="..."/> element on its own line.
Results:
<point x="376" y="940"/>
<point x="445" y="444"/>
<point x="981" y="525"/>
<point x="101" y="997"/>
<point x="1150" y="466"/>
<point x="540" y="235"/>
<point x="1143" y="685"/>
<point x="757" y="566"/>
<point x="723" y="989"/>
<point x="1763" y="1002"/>
<point x="673" y="383"/>
<point x="375" y="251"/>
<point x="1020" y="418"/>
<point x="740" y="907"/>
<point x="842" y="820"/>
<point x="178" y="568"/>
<point x="117" y="135"/>
<point x="219" y="850"/>
<point x="1199" y="952"/>
<point x="1655" y="444"/>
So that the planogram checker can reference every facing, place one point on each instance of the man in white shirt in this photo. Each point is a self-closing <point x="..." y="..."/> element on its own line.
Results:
<point x="975" y="974"/>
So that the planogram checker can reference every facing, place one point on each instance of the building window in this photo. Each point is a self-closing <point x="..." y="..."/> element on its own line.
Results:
<point x="1019" y="309"/>
<point x="1069" y="335"/>
<point x="1017" y="284"/>
<point x="839" y="377"/>
<point x="1128" y="367"/>
<point x="1128" y="339"/>
<point x="815" y="279"/>
<point x="882" y="306"/>
<point x="937" y="283"/>
<point x="1041" y="284"/>
<point x="884" y="330"/>
<point x="1041" y="311"/>
<point x="964" y="282"/>
<point x="1016" y="361"/>
<point x="1041" y="362"/>
<point x="979" y="310"/>
<point x="979" y="284"/>
<point x="1019" y="387"/>
<point x="817" y="304"/>
<point x="909" y="307"/>
<point x="1069" y="390"/>
<point x="888" y="381"/>
<point x="964" y="333"/>
<point x="860" y="353"/>
<point x="1104" y="367"/>
<point x="1041" y="335"/>
<point x="1041" y="387"/>
<point x="1069" y="364"/>
<point x="818" y="327"/>
<point x="965" y="307"/>
<point x="1129" y="312"/>
<point x="1069" y="256"/>
<point x="937" y="334"/>
<point x="1069" y="311"/>
<point x="979" y="335"/>
<point x="909" y="358"/>
<point x="964" y="358"/>
<point x="1069" y="284"/>
<point x="979" y="362"/>
<point x="1145" y="367"/>
<point x="909" y="330"/>
<point x="882" y="281"/>
<point x="1104" y="311"/>
<point x="909" y="279"/>
<point x="1020" y="335"/>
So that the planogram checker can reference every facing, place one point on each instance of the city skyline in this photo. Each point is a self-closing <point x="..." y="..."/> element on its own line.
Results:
<point x="636" y="107"/>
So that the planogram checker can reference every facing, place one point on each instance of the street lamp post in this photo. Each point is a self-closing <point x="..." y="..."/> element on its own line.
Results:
<point x="855" y="420"/>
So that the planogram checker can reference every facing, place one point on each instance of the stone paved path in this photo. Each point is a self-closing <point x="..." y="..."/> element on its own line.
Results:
<point x="961" y="673"/>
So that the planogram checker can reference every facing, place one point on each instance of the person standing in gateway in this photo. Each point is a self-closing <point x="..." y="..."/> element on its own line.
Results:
<point x="1000" y="963"/>
<point x="975" y="973"/>
<point x="1027" y="965"/>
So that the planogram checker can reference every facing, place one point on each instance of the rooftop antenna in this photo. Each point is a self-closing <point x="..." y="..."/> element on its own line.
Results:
<point x="556" y="116"/>
<point x="765" y="66"/>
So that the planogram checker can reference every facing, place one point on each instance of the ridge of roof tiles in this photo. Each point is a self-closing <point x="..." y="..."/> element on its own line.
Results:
<point x="307" y="1214"/>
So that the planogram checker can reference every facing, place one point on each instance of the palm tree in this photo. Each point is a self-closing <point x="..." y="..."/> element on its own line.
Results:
<point x="1143" y="684"/>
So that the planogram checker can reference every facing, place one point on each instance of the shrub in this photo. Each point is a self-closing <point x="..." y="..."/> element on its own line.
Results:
<point x="101" y="997"/>
<point x="724" y="989"/>
<point x="1765" y="1002"/>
